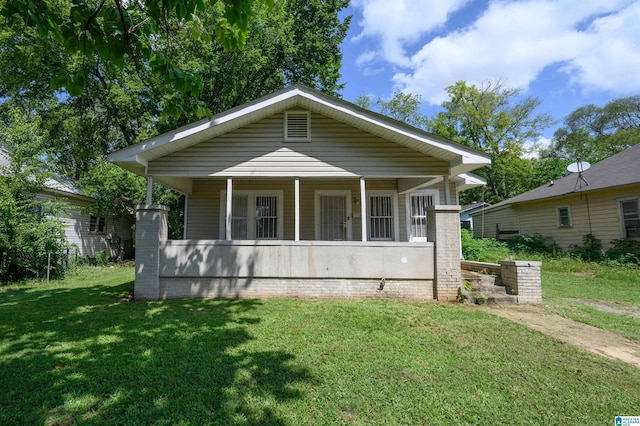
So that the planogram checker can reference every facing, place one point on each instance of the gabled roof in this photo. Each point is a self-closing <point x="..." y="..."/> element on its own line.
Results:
<point x="461" y="159"/>
<point x="620" y="169"/>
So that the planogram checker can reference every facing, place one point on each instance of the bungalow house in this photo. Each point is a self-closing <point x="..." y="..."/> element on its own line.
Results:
<point x="603" y="200"/>
<point x="302" y="194"/>
<point x="86" y="233"/>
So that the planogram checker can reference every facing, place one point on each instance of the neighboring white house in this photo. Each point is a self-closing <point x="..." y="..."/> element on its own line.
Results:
<point x="86" y="233"/>
<point x="302" y="194"/>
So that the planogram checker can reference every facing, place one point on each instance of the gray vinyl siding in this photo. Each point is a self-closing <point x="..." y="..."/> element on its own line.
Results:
<point x="485" y="227"/>
<point x="540" y="217"/>
<point x="335" y="150"/>
<point x="204" y="204"/>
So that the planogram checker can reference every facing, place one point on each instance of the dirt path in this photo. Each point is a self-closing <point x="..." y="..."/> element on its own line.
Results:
<point x="592" y="339"/>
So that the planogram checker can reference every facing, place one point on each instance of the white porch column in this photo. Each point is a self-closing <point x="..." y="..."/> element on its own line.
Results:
<point x="229" y="206"/>
<point x="447" y="192"/>
<point x="296" y="190"/>
<point x="363" y="208"/>
<point x="149" y="191"/>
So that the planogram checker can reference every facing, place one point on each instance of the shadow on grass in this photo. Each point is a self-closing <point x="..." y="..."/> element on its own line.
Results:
<point x="87" y="355"/>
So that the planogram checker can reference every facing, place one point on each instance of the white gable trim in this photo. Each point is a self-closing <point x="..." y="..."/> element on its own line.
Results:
<point x="461" y="159"/>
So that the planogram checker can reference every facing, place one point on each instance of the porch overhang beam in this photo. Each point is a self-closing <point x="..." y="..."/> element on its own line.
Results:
<point x="413" y="184"/>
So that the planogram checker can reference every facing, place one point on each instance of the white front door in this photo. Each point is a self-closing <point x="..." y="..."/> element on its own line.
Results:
<point x="333" y="215"/>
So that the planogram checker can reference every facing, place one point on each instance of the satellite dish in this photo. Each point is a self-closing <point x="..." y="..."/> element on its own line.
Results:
<point x="578" y="166"/>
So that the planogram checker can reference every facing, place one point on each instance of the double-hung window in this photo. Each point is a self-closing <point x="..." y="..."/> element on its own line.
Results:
<point x="382" y="211"/>
<point x="563" y="214"/>
<point x="417" y="203"/>
<point x="255" y="215"/>
<point x="630" y="218"/>
<point x="97" y="225"/>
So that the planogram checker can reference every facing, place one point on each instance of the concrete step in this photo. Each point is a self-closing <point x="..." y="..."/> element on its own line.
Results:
<point x="480" y="279"/>
<point x="476" y="298"/>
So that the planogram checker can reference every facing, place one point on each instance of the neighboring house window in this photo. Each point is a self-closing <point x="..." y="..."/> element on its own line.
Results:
<point x="97" y="225"/>
<point x="630" y="218"/>
<point x="382" y="213"/>
<point x="297" y="126"/>
<point x="417" y="203"/>
<point x="564" y="216"/>
<point x="255" y="215"/>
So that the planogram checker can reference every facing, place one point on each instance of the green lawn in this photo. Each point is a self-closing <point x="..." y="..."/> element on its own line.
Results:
<point x="570" y="288"/>
<point x="78" y="352"/>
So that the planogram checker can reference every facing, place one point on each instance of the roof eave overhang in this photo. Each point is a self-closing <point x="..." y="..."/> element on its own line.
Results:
<point x="461" y="159"/>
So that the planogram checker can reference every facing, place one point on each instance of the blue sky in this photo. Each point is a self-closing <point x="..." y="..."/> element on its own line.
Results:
<point x="567" y="53"/>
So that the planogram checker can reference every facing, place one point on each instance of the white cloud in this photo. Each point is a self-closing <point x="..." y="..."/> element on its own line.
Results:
<point x="395" y="23"/>
<point x="596" y="42"/>
<point x="612" y="60"/>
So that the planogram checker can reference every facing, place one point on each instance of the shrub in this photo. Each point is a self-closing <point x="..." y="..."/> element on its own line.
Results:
<point x="483" y="249"/>
<point x="535" y="243"/>
<point x="624" y="251"/>
<point x="102" y="258"/>
<point x="27" y="235"/>
<point x="590" y="250"/>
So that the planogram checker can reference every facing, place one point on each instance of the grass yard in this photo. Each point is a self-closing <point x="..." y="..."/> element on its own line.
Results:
<point x="603" y="296"/>
<point x="77" y="351"/>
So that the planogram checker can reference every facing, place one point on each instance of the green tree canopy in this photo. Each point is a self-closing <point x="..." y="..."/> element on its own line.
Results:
<point x="594" y="133"/>
<point x="136" y="32"/>
<point x="498" y="120"/>
<point x="124" y="102"/>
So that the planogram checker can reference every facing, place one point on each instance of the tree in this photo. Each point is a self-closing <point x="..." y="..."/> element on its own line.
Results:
<point x="28" y="230"/>
<point x="404" y="107"/>
<point x="121" y="104"/>
<point x="139" y="32"/>
<point x="494" y="119"/>
<point x="593" y="133"/>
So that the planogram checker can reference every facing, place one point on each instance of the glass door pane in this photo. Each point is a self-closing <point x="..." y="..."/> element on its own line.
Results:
<point x="333" y="217"/>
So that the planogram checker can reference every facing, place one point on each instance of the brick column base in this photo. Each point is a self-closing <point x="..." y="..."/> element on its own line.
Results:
<point x="443" y="229"/>
<point x="151" y="229"/>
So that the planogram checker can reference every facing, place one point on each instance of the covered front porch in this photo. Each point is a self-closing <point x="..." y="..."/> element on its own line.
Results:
<point x="421" y="270"/>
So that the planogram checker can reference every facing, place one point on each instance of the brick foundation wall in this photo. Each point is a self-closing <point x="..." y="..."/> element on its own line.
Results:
<point x="325" y="288"/>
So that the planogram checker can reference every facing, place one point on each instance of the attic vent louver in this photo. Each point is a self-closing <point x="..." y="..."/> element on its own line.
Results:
<point x="296" y="126"/>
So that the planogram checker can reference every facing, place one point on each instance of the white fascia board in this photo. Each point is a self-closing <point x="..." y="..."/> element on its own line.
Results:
<point x="308" y="98"/>
<point x="144" y="151"/>
<point x="386" y="123"/>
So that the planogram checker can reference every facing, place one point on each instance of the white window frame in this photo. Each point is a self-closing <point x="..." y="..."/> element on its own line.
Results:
<point x="435" y="193"/>
<point x="560" y="225"/>
<point x="347" y="194"/>
<point x="251" y="220"/>
<point x="287" y="138"/>
<point x="97" y="229"/>
<point x="623" y="230"/>
<point x="395" y="218"/>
